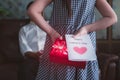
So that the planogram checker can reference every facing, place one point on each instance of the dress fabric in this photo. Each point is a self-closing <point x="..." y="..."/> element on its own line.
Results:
<point x="82" y="14"/>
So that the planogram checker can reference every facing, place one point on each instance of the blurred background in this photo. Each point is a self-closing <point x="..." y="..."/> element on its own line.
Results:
<point x="13" y="16"/>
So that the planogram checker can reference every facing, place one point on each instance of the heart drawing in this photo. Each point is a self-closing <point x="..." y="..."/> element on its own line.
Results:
<point x="80" y="50"/>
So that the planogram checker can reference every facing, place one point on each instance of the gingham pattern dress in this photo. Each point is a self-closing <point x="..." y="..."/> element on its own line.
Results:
<point x="82" y="14"/>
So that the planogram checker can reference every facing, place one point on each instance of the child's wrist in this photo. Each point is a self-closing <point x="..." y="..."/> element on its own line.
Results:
<point x="52" y="33"/>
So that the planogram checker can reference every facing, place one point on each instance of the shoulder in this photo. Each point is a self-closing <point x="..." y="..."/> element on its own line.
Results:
<point x="24" y="29"/>
<point x="27" y="27"/>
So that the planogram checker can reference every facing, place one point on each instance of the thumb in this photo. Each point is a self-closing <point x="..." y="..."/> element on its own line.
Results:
<point x="61" y="37"/>
<point x="75" y="36"/>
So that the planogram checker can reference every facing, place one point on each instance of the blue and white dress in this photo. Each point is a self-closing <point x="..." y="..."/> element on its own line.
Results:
<point x="82" y="14"/>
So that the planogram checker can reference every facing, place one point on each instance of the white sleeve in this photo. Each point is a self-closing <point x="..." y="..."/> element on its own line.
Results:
<point x="24" y="47"/>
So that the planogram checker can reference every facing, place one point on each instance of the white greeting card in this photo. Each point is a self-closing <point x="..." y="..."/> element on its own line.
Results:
<point x="80" y="48"/>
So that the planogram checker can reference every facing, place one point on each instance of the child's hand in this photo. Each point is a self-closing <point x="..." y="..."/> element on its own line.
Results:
<point x="80" y="32"/>
<point x="54" y="35"/>
<point x="32" y="55"/>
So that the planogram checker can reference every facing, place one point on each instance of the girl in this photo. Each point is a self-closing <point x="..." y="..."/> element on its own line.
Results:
<point x="70" y="17"/>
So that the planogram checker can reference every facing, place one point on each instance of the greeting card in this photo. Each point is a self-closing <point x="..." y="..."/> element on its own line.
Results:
<point x="80" y="48"/>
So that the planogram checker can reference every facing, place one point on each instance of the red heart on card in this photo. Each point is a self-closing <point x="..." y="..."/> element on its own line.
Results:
<point x="80" y="50"/>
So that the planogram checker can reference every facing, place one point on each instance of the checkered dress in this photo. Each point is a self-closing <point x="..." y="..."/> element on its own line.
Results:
<point x="82" y="14"/>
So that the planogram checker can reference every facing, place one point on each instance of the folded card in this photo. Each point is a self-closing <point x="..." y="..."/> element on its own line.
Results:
<point x="80" y="48"/>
